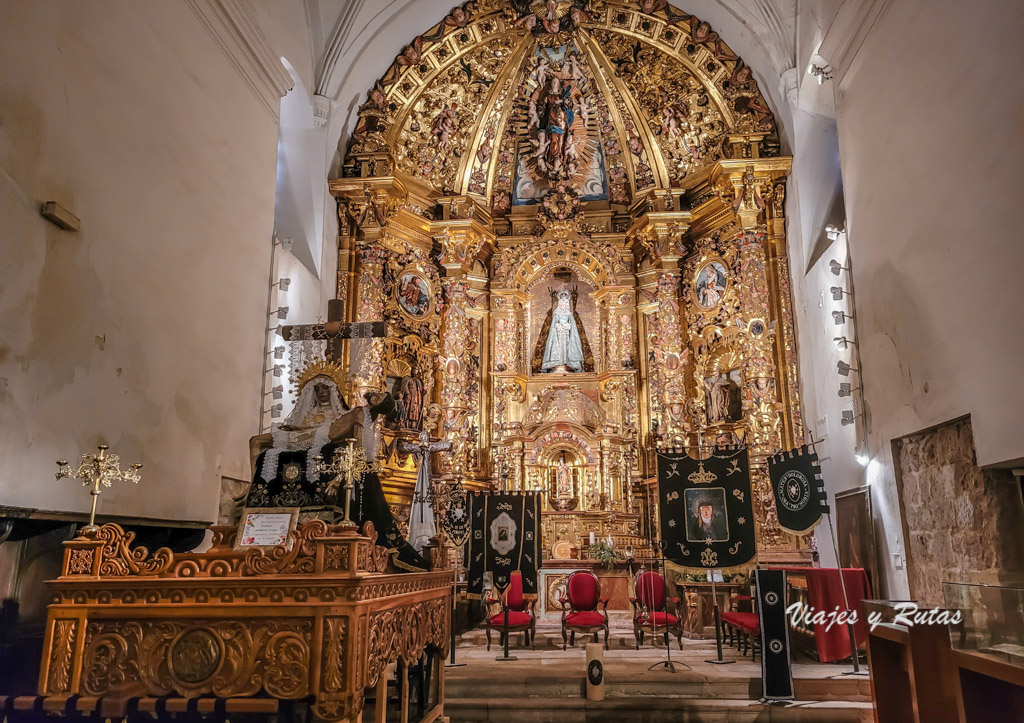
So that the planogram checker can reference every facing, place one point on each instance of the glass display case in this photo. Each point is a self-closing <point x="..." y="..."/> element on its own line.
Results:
<point x="993" y="620"/>
<point x="987" y="650"/>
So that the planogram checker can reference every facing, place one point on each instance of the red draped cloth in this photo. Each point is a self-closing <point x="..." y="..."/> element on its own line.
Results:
<point x="824" y="593"/>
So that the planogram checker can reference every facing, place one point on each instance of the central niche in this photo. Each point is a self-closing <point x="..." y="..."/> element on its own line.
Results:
<point x="563" y="320"/>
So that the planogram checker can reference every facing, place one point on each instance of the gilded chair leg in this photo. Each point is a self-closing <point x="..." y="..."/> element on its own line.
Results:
<point x="564" y="637"/>
<point x="636" y="635"/>
<point x="488" y="637"/>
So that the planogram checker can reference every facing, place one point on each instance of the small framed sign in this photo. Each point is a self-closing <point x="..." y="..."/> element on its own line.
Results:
<point x="266" y="526"/>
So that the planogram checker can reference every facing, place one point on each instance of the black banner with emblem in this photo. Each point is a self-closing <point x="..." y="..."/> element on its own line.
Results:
<point x="799" y="492"/>
<point x="776" y="659"/>
<point x="504" y="538"/>
<point x="707" y="517"/>
<point x="455" y="521"/>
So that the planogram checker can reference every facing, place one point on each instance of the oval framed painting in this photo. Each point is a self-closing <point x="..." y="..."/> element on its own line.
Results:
<point x="710" y="283"/>
<point x="413" y="294"/>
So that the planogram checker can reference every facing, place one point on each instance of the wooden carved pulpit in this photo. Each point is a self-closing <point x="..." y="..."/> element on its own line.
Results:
<point x="318" y="621"/>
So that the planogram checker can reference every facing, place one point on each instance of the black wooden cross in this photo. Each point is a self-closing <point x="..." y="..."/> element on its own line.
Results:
<point x="334" y="330"/>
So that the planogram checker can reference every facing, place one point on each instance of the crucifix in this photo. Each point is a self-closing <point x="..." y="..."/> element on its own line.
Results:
<point x="334" y="330"/>
<point x="421" y="516"/>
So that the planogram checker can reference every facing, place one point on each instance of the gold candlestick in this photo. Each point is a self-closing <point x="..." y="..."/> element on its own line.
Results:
<point x="351" y="462"/>
<point x="96" y="470"/>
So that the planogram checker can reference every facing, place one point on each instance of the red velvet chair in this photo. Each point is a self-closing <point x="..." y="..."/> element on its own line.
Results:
<point x="652" y="611"/>
<point x="521" y="618"/>
<point x="579" y="608"/>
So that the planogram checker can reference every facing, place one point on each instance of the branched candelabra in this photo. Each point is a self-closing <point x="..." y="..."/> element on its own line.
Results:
<point x="350" y="462"/>
<point x="99" y="469"/>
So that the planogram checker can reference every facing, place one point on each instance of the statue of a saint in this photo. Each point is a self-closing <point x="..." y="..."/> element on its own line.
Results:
<point x="563" y="480"/>
<point x="563" y="351"/>
<point x="307" y="427"/>
<point x="412" y="397"/>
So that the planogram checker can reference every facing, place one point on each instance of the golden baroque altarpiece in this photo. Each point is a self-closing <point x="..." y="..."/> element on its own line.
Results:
<point x="614" y="150"/>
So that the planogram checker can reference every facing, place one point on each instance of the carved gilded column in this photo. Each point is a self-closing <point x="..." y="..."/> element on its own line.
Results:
<point x="465" y="237"/>
<point x="367" y="354"/>
<point x="656" y="235"/>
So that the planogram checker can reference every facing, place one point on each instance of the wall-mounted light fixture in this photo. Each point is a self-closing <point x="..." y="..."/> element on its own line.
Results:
<point x="841" y="317"/>
<point x="283" y="284"/>
<point x="820" y="73"/>
<point x="844" y="368"/>
<point x="849" y="417"/>
<point x="838" y="292"/>
<point x="275" y="411"/>
<point x="842" y="342"/>
<point x="277" y="392"/>
<point x="836" y="267"/>
<point x="281" y="313"/>
<point x="279" y="352"/>
<point x="846" y="389"/>
<point x="278" y="370"/>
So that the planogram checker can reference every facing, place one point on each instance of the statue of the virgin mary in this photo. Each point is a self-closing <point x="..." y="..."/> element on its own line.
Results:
<point x="565" y="349"/>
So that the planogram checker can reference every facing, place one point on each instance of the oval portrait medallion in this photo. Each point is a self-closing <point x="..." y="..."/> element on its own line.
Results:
<point x="413" y="294"/>
<point x="194" y="656"/>
<point x="709" y="286"/>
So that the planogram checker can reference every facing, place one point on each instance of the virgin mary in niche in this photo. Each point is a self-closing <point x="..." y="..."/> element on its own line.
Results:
<point x="562" y="345"/>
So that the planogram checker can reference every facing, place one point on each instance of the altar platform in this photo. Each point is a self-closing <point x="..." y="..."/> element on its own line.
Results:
<point x="549" y="684"/>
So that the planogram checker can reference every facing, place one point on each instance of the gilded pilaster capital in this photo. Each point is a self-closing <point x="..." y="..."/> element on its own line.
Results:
<point x="747" y="185"/>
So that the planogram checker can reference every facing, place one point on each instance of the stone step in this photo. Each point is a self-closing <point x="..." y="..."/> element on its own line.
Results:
<point x="652" y="710"/>
<point x="682" y="685"/>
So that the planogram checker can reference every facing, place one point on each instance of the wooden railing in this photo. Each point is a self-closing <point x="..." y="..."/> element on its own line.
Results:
<point x="321" y="620"/>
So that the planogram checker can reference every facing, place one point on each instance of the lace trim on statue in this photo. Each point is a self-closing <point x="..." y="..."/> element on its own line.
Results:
<point x="286" y="441"/>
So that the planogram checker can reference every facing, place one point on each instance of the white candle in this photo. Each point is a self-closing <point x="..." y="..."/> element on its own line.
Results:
<point x="591" y="538"/>
<point x="609" y="540"/>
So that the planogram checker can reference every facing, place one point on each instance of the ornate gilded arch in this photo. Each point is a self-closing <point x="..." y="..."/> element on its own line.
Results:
<point x="669" y="97"/>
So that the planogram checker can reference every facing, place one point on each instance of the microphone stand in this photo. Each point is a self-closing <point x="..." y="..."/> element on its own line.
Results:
<point x="667" y="663"/>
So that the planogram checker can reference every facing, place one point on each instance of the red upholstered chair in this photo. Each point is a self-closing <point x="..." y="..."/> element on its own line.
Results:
<point x="579" y="608"/>
<point x="521" y="617"/>
<point x="653" y="611"/>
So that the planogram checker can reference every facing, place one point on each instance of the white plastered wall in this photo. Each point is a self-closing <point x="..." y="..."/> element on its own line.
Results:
<point x="145" y="329"/>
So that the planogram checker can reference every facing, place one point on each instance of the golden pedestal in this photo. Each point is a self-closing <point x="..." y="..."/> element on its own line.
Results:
<point x="321" y="620"/>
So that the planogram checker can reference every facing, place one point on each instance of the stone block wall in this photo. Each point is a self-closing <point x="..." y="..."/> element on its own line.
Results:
<point x="962" y="523"/>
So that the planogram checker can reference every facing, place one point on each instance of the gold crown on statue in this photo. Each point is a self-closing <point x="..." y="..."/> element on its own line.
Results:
<point x="335" y="371"/>
<point x="702" y="476"/>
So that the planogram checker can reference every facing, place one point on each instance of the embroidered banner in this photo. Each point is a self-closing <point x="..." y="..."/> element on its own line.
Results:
<point x="505" y="537"/>
<point x="776" y="660"/>
<point x="456" y="516"/>
<point x="707" y="519"/>
<point x="799" y="492"/>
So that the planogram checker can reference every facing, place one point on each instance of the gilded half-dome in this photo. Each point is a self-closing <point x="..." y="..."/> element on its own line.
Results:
<point x="506" y="100"/>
